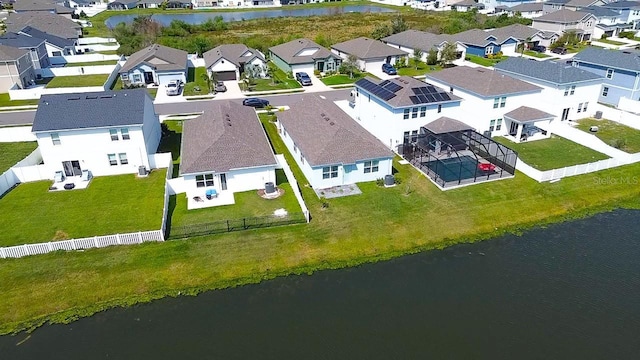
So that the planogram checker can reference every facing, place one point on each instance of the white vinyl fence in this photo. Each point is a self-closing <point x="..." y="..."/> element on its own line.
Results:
<point x="164" y="160"/>
<point x="68" y="59"/>
<point x="77" y="70"/>
<point x="96" y="40"/>
<point x="81" y="244"/>
<point x="10" y="179"/>
<point x="282" y="162"/>
<point x="581" y="169"/>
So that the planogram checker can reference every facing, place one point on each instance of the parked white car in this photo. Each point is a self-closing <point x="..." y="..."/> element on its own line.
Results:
<point x="173" y="87"/>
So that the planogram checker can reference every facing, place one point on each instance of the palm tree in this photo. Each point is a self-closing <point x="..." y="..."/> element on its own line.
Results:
<point x="417" y="57"/>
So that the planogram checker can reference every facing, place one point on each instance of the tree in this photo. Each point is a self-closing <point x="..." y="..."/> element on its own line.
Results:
<point x="417" y="57"/>
<point x="432" y="56"/>
<point x="350" y="66"/>
<point x="83" y="15"/>
<point x="201" y="44"/>
<point x="209" y="81"/>
<point x="381" y="31"/>
<point x="398" y="25"/>
<point x="448" y="53"/>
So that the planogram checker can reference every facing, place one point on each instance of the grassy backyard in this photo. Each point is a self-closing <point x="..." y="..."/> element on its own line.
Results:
<point x="536" y="54"/>
<point x="14" y="152"/>
<point x="555" y="152"/>
<point x="484" y="61"/>
<point x="171" y="142"/>
<point x="422" y="69"/>
<point x="94" y="63"/>
<point x="340" y="79"/>
<point x="78" y="81"/>
<point x="31" y="214"/>
<point x="195" y="82"/>
<point x="614" y="134"/>
<point x="5" y="100"/>
<point x="610" y="42"/>
<point x="280" y="81"/>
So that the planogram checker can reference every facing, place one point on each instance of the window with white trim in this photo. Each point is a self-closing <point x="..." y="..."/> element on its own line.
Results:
<point x="503" y="101"/>
<point x="204" y="180"/>
<point x="496" y="102"/>
<point x="55" y="138"/>
<point x="488" y="50"/>
<point x="579" y="107"/>
<point x="439" y="108"/>
<point x="414" y="136"/>
<point x="423" y="111"/>
<point x="137" y="78"/>
<point x="605" y="91"/>
<point x="609" y="73"/>
<point x="573" y="90"/>
<point x="295" y="149"/>
<point x="492" y="125"/>
<point x="124" y="76"/>
<point x="371" y="166"/>
<point x="584" y="107"/>
<point x="125" y="134"/>
<point x="566" y="91"/>
<point x="407" y="137"/>
<point x="406" y="114"/>
<point x="114" y="134"/>
<point x="330" y="172"/>
<point x="113" y="161"/>
<point x="414" y="112"/>
<point x="123" y="158"/>
<point x="499" y="124"/>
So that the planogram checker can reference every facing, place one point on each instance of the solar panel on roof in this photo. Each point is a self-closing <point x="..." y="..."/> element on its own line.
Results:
<point x="445" y="96"/>
<point x="393" y="87"/>
<point x="431" y="97"/>
<point x="384" y="83"/>
<point x="416" y="91"/>
<point x="414" y="99"/>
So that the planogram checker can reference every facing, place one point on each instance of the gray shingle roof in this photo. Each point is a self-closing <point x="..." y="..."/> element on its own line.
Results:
<point x="19" y="40"/>
<point x="415" y="39"/>
<point x="547" y="71"/>
<point x="338" y="140"/>
<point x="581" y="3"/>
<point x="526" y="7"/>
<point x="563" y="16"/>
<point x="623" y="5"/>
<point x="49" y="23"/>
<point x="226" y="136"/>
<point x="8" y="53"/>
<point x="482" y="82"/>
<point x="366" y="48"/>
<point x="627" y="59"/>
<point x="41" y="5"/>
<point x="600" y="12"/>
<point x="443" y="125"/>
<point x="171" y="59"/>
<point x="403" y="96"/>
<point x="517" y="31"/>
<point x="289" y="52"/>
<point x="231" y="52"/>
<point x="49" y="38"/>
<point x="525" y="114"/>
<point x="90" y="110"/>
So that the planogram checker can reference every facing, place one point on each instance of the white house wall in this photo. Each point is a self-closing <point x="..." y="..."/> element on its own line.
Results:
<point x="152" y="128"/>
<point x="224" y="65"/>
<point x="237" y="181"/>
<point x="159" y="77"/>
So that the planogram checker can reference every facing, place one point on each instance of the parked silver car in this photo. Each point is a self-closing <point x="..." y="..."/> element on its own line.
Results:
<point x="220" y="87"/>
<point x="173" y="87"/>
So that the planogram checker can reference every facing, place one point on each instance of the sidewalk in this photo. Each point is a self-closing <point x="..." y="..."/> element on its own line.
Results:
<point x="587" y="140"/>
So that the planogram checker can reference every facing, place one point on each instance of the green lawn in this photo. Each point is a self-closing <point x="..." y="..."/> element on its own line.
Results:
<point x="110" y="205"/>
<point x="536" y="54"/>
<point x="484" y="61"/>
<point x="117" y="85"/>
<point x="108" y="52"/>
<point x="171" y="142"/>
<point x="340" y="79"/>
<point x="421" y="70"/>
<point x="553" y="153"/>
<point x="280" y="81"/>
<point x="94" y="63"/>
<point x="77" y="81"/>
<point x="614" y="134"/>
<point x="5" y="100"/>
<point x="611" y="42"/>
<point x="194" y="80"/>
<point x="14" y="152"/>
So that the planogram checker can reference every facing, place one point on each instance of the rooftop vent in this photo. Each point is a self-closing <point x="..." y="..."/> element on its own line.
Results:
<point x="74" y="98"/>
<point x="332" y="123"/>
<point x="92" y="97"/>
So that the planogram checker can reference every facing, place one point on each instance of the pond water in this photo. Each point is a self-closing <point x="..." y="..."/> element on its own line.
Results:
<point x="200" y="17"/>
<point x="570" y="291"/>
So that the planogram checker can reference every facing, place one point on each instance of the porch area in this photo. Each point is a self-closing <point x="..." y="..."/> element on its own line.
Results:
<point x="206" y="199"/>
<point x="528" y="124"/>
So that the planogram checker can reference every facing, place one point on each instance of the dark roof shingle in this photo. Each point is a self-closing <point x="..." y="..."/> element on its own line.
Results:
<point x="49" y="38"/>
<point x="366" y="48"/>
<point x="482" y="82"/>
<point x="289" y="52"/>
<point x="8" y="53"/>
<point x="528" y="114"/>
<point x="172" y="59"/>
<point x="45" y="22"/>
<point x="620" y="59"/>
<point x="563" y="16"/>
<point x="415" y="39"/>
<point x="443" y="125"/>
<point x="231" y="52"/>
<point x="548" y="71"/>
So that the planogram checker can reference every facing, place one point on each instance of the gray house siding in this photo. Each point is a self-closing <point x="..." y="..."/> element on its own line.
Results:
<point x="624" y="83"/>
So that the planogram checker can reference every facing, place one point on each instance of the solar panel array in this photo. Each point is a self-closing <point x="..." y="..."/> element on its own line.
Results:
<point x="428" y="94"/>
<point x="385" y="90"/>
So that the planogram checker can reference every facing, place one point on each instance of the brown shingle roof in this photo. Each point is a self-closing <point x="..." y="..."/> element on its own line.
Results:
<point x="174" y="59"/>
<point x="415" y="39"/>
<point x="563" y="16"/>
<point x="226" y="136"/>
<point x="444" y="125"/>
<point x="326" y="135"/>
<point x="481" y="81"/>
<point x="527" y="114"/>
<point x="231" y="52"/>
<point x="365" y="48"/>
<point x="289" y="52"/>
<point x="403" y="96"/>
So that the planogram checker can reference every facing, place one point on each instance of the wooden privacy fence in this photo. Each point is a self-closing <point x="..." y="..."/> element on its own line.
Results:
<point x="81" y="244"/>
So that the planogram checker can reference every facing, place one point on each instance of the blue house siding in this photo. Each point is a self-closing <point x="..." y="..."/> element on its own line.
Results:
<point x="624" y="83"/>
<point x="479" y="50"/>
<point x="283" y="65"/>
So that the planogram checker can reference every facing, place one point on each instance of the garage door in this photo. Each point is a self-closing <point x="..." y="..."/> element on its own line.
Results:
<point x="225" y="75"/>
<point x="164" y="79"/>
<point x="374" y="65"/>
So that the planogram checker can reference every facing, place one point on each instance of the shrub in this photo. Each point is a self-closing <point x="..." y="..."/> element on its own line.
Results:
<point x="499" y="54"/>
<point x="398" y="180"/>
<point x="618" y="143"/>
<point x="380" y="181"/>
<point x="316" y="72"/>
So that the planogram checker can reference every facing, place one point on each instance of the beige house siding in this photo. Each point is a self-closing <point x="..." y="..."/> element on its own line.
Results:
<point x="9" y="73"/>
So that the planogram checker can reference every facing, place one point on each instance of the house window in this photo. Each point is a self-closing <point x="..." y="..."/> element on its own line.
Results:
<point x="609" y="73"/>
<point x="423" y="111"/>
<point x="124" y="76"/>
<point x="371" y="166"/>
<point x="407" y="136"/>
<point x="496" y="102"/>
<point x="330" y="172"/>
<point x="499" y="124"/>
<point x="492" y="125"/>
<point x="406" y="114"/>
<point x="301" y="159"/>
<point x="56" y="53"/>
<point x="137" y="78"/>
<point x="566" y="91"/>
<point x="123" y="159"/>
<point x="414" y="136"/>
<point x="114" y="134"/>
<point x="503" y="101"/>
<point x="579" y="107"/>
<point x="284" y="132"/>
<point x="295" y="149"/>
<point x="204" y="180"/>
<point x="488" y="50"/>
<point x="584" y="107"/>
<point x="439" y="108"/>
<point x="125" y="134"/>
<point x="573" y="90"/>
<point x="605" y="91"/>
<point x="112" y="159"/>
<point x="55" y="138"/>
<point x="414" y="113"/>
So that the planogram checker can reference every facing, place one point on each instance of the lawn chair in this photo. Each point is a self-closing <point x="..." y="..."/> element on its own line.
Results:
<point x="211" y="194"/>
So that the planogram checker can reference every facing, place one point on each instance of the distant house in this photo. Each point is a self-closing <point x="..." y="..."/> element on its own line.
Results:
<point x="42" y="6"/>
<point x="562" y="21"/>
<point x="227" y="62"/>
<point x="36" y="47"/>
<point x="155" y="64"/>
<point x="394" y="110"/>
<point x="620" y="69"/>
<point x="120" y="127"/>
<point x="225" y="149"/>
<point x="149" y="4"/>
<point x="330" y="148"/>
<point x="303" y="55"/>
<point x="629" y="12"/>
<point x="15" y="68"/>
<point x="567" y="91"/>
<point x="410" y="40"/>
<point x="80" y="4"/>
<point x="122" y="5"/>
<point x="467" y="5"/>
<point x="370" y="54"/>
<point x="608" y="22"/>
<point x="526" y="10"/>
<point x="488" y="95"/>
<point x="485" y="42"/>
<point x="544" y="38"/>
<point x="55" y="45"/>
<point x="573" y="5"/>
<point x="45" y="22"/>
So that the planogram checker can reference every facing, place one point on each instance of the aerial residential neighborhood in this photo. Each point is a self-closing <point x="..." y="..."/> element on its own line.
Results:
<point x="121" y="127"/>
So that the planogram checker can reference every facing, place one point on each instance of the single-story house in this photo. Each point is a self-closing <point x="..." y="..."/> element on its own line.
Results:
<point x="120" y="128"/>
<point x="228" y="62"/>
<point x="224" y="150"/>
<point x="55" y="45"/>
<point x="42" y="6"/>
<point x="303" y="55"/>
<point x="410" y="40"/>
<point x="155" y="64"/>
<point x="467" y="5"/>
<point x="150" y="4"/>
<point x="485" y="42"/>
<point x="526" y="10"/>
<point x="15" y="68"/>
<point x="370" y="54"/>
<point x="329" y="146"/>
<point x="122" y="5"/>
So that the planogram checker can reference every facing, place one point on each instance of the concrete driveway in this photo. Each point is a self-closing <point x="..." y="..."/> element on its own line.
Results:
<point x="381" y="74"/>
<point x="317" y="85"/>
<point x="163" y="98"/>
<point x="233" y="91"/>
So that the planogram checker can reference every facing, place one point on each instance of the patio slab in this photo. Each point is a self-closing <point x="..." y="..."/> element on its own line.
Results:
<point x="78" y="183"/>
<point x="338" y="191"/>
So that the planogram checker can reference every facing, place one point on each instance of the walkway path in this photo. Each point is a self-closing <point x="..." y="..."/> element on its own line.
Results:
<point x="588" y="140"/>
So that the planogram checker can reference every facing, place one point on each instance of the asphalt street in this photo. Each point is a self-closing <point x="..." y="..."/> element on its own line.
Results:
<point x="8" y="118"/>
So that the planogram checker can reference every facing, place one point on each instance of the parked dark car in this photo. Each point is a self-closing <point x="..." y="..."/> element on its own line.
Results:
<point x="303" y="78"/>
<point x="255" y="102"/>
<point x="559" y="50"/>
<point x="389" y="69"/>
<point x="539" y="48"/>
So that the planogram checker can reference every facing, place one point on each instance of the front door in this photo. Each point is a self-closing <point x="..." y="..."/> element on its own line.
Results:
<point x="320" y="65"/>
<point x="223" y="181"/>
<point x="565" y="114"/>
<point x="72" y="168"/>
<point x="148" y="78"/>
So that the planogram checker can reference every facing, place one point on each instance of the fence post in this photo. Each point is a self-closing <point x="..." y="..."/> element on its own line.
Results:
<point x="139" y="237"/>
<point x="95" y="241"/>
<point x="3" y="254"/>
<point x="118" y="239"/>
<point x="228" y="229"/>
<point x="244" y="223"/>
<point x="49" y="246"/>
<point x="26" y="249"/>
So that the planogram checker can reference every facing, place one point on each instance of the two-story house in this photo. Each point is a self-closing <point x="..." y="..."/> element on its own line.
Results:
<point x="304" y="55"/>
<point x="330" y="148"/>
<point x="567" y="91"/>
<point x="608" y="22"/>
<point x="15" y="68"/>
<point x="550" y="6"/>
<point x="409" y="40"/>
<point x="619" y="68"/>
<point x="36" y="47"/>
<point x="106" y="133"/>
<point x="55" y="45"/>
<point x="629" y="12"/>
<point x="394" y="110"/>
<point x="562" y="21"/>
<point x="488" y="97"/>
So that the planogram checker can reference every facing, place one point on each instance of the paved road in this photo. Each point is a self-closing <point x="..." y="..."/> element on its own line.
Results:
<point x="16" y="118"/>
<point x="276" y="100"/>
